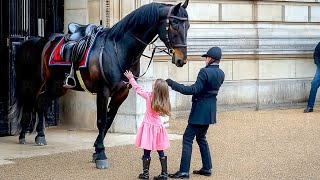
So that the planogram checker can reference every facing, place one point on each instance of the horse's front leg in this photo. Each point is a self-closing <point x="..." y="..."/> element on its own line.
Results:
<point x="102" y="100"/>
<point x="40" y="139"/>
<point x="113" y="107"/>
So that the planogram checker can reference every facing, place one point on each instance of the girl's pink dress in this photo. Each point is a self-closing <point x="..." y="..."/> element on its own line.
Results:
<point x="151" y="135"/>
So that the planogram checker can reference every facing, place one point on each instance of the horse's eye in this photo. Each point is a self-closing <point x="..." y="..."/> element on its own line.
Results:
<point x="175" y="25"/>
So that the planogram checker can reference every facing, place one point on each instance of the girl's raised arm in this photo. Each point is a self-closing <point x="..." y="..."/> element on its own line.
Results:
<point x="138" y="89"/>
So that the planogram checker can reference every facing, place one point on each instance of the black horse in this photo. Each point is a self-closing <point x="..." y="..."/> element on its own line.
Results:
<point x="115" y="50"/>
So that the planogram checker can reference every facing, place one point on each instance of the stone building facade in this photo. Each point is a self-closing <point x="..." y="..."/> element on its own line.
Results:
<point x="267" y="54"/>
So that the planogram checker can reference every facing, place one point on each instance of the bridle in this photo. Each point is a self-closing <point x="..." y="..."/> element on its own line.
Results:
<point x="170" y="44"/>
<point x="168" y="37"/>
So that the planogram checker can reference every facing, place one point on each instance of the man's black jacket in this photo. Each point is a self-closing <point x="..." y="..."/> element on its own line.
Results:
<point x="204" y="91"/>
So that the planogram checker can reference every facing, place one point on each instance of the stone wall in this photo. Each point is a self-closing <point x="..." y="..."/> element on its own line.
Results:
<point x="267" y="54"/>
<point x="267" y="51"/>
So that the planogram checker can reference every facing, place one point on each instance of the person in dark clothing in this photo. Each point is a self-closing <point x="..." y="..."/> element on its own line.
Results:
<point x="203" y="112"/>
<point x="315" y="82"/>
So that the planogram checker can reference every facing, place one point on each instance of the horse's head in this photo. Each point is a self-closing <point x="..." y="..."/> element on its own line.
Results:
<point x="173" y="32"/>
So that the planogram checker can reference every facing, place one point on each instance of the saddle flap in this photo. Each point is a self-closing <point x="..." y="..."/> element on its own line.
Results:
<point x="66" y="51"/>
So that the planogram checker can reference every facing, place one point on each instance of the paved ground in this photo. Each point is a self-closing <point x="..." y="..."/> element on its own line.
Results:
<point x="278" y="144"/>
<point x="60" y="140"/>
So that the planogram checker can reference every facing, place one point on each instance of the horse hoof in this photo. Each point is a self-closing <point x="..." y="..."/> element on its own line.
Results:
<point x="102" y="164"/>
<point x="22" y="141"/>
<point x="94" y="157"/>
<point x="41" y="141"/>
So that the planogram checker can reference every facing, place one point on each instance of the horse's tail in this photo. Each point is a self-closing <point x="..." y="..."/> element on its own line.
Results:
<point x="27" y="73"/>
<point x="15" y="112"/>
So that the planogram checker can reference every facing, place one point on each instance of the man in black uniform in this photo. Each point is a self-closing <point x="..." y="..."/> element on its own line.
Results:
<point x="203" y="112"/>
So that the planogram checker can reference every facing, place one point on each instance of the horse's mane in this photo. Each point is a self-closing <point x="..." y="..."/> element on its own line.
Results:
<point x="146" y="15"/>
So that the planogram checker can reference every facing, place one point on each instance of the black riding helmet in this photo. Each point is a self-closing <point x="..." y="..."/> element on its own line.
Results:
<point x="214" y="52"/>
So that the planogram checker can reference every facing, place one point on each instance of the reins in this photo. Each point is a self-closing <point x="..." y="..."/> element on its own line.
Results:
<point x="152" y="55"/>
<point x="146" y="44"/>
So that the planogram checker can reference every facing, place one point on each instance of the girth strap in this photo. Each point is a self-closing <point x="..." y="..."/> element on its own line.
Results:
<point x="101" y="66"/>
<point x="83" y="86"/>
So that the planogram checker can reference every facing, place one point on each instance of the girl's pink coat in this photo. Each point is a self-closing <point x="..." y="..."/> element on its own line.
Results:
<point x="151" y="135"/>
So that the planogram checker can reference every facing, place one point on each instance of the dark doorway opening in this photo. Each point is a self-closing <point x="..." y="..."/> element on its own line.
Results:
<point x="22" y="20"/>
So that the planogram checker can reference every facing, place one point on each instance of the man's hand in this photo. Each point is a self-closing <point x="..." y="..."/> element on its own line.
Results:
<point x="128" y="74"/>
<point x="169" y="82"/>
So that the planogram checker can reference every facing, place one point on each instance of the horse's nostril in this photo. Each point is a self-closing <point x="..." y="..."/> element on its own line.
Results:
<point x="180" y="63"/>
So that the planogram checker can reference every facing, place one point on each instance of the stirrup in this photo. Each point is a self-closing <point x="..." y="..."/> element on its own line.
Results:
<point x="70" y="82"/>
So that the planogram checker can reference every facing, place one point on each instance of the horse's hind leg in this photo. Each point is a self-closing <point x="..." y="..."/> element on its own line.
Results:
<point x="52" y="90"/>
<point x="102" y="100"/>
<point x="40" y="139"/>
<point x="25" y="124"/>
<point x="113" y="107"/>
<point x="22" y="136"/>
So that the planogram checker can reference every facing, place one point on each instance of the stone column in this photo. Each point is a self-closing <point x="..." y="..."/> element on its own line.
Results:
<point x="78" y="108"/>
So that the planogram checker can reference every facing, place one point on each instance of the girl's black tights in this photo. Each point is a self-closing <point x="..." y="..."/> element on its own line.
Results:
<point x="146" y="153"/>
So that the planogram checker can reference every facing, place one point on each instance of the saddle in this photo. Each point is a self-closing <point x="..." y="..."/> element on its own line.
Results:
<point x="78" y="31"/>
<point x="76" y="42"/>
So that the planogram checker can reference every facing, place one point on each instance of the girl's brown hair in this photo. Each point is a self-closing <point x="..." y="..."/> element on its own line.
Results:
<point x="160" y="102"/>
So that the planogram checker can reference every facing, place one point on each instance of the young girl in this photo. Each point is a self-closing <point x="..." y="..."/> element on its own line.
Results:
<point x="152" y="135"/>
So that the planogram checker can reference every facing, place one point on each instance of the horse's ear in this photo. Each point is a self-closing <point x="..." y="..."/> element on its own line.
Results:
<point x="185" y="4"/>
<point x="176" y="8"/>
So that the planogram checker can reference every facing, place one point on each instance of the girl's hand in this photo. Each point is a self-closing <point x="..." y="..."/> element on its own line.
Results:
<point x="128" y="74"/>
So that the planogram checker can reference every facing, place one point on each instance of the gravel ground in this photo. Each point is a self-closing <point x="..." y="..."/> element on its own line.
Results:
<point x="276" y="144"/>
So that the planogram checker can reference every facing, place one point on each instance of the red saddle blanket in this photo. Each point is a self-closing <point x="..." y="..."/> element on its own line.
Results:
<point x="56" y="60"/>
